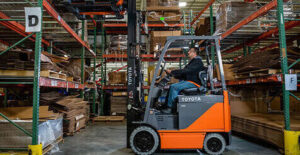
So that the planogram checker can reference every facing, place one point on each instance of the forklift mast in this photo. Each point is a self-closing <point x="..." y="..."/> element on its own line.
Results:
<point x="134" y="82"/>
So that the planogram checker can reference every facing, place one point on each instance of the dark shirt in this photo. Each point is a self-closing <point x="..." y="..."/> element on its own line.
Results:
<point x="191" y="71"/>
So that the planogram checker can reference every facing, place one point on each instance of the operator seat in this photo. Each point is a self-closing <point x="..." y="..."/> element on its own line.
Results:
<point x="203" y="76"/>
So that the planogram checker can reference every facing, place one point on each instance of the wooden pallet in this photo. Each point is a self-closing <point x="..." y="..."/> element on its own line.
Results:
<point x="109" y="119"/>
<point x="30" y="73"/>
<point x="261" y="72"/>
<point x="162" y="8"/>
<point x="119" y="93"/>
<point x="51" y="146"/>
<point x="257" y="73"/>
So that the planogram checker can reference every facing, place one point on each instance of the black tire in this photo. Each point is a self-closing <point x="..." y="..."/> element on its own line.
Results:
<point x="214" y="144"/>
<point x="144" y="140"/>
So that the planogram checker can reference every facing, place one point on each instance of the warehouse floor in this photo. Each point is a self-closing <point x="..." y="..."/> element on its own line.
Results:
<point x="110" y="138"/>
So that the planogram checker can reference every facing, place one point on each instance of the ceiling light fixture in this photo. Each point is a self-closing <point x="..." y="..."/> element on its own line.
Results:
<point x="182" y="4"/>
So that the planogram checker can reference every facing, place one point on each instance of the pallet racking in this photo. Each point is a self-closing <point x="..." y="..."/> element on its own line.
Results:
<point x="16" y="26"/>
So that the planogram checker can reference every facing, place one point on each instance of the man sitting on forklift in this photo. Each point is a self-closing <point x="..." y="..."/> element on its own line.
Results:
<point x="189" y="75"/>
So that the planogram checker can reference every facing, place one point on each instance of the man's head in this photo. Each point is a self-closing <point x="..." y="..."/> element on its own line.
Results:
<point x="192" y="53"/>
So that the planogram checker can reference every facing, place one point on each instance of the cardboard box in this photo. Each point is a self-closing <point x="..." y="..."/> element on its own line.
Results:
<point x="158" y="39"/>
<point x="118" y="105"/>
<point x="117" y="78"/>
<point x="203" y="27"/>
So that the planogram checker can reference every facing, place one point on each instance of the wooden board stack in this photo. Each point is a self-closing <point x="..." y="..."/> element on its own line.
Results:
<point x="264" y="63"/>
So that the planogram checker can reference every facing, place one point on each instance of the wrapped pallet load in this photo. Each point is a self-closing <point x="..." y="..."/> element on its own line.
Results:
<point x="230" y="13"/>
<point x="118" y="43"/>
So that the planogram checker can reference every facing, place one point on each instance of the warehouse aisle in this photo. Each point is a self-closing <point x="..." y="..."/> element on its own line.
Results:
<point x="110" y="139"/>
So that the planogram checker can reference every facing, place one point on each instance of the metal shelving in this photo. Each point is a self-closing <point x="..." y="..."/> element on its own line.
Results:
<point x="12" y="24"/>
<point x="230" y="46"/>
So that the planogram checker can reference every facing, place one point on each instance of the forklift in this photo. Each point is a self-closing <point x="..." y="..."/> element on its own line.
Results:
<point x="201" y="120"/>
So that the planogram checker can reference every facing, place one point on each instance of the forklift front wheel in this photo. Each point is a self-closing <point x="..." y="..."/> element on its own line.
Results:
<point x="144" y="140"/>
<point x="214" y="144"/>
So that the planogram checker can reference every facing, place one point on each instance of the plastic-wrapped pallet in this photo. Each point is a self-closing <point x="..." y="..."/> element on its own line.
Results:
<point x="50" y="132"/>
<point x="230" y="13"/>
<point x="168" y="3"/>
<point x="118" y="43"/>
<point x="165" y="3"/>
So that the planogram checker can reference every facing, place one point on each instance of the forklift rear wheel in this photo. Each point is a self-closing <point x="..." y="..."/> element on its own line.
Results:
<point x="214" y="144"/>
<point x="144" y="140"/>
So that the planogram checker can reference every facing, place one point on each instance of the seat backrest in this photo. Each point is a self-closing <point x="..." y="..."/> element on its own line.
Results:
<point x="203" y="78"/>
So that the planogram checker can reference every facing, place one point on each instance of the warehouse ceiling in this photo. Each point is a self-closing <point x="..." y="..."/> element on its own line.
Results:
<point x="52" y="31"/>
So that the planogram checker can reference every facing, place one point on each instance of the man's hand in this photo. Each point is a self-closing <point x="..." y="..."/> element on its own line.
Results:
<point x="168" y="71"/>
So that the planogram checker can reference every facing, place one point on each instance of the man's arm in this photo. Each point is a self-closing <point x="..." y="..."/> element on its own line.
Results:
<point x="192" y="68"/>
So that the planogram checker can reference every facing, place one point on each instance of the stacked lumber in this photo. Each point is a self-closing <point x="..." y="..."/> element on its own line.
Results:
<point x="264" y="63"/>
<point x="75" y="112"/>
<point x="118" y="105"/>
<point x="230" y="13"/>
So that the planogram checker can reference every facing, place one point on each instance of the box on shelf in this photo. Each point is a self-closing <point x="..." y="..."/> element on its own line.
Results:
<point x="118" y="105"/>
<point x="230" y="13"/>
<point x="203" y="27"/>
<point x="158" y="39"/>
<point x="165" y="3"/>
<point x="117" y="78"/>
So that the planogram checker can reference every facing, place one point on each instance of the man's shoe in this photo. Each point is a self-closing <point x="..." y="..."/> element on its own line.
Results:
<point x="167" y="111"/>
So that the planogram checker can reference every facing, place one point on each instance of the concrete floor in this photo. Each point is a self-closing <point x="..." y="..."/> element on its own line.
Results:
<point x="110" y="139"/>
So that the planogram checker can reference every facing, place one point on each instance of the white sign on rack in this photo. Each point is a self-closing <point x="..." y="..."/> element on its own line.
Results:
<point x="291" y="82"/>
<point x="33" y="19"/>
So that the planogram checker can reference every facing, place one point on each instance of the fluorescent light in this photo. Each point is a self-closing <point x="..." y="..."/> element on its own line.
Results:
<point x="182" y="4"/>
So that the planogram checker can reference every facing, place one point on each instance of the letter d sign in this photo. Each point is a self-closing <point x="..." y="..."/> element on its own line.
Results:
<point x="33" y="19"/>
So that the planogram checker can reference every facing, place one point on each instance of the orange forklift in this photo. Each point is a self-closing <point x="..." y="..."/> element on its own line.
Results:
<point x="202" y="117"/>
